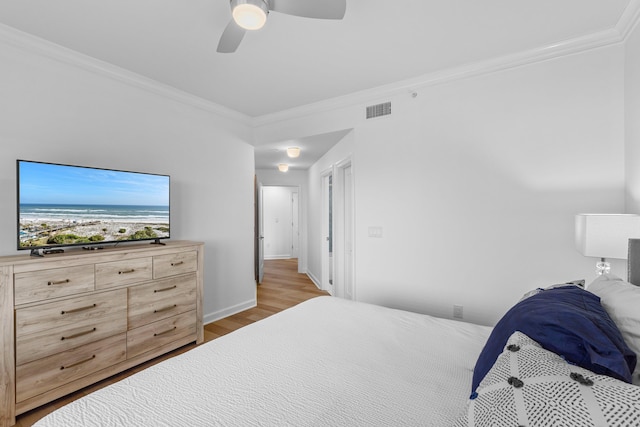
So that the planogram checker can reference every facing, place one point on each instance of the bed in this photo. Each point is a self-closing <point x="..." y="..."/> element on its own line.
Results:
<point x="334" y="362"/>
<point x="322" y="362"/>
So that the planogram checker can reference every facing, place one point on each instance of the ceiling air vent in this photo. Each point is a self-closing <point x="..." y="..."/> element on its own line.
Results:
<point x="378" y="110"/>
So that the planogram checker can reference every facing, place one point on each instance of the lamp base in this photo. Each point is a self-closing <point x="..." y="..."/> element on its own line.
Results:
<point x="603" y="267"/>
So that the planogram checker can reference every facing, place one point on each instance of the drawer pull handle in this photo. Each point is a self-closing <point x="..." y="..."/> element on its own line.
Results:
<point x="165" y="332"/>
<point x="79" y="334"/>
<point x="169" y="307"/>
<point x="165" y="289"/>
<point x="75" y="310"/>
<point x="78" y="363"/>
<point x="58" y="282"/>
<point x="175" y="264"/>
<point x="131" y="270"/>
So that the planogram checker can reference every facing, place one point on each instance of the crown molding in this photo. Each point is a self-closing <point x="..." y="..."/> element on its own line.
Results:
<point x="629" y="19"/>
<point x="556" y="50"/>
<point x="24" y="41"/>
<point x="627" y="22"/>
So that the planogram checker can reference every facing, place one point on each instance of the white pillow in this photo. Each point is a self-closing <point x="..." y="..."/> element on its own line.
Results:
<point x="621" y="300"/>
<point x="577" y="283"/>
<point x="530" y="386"/>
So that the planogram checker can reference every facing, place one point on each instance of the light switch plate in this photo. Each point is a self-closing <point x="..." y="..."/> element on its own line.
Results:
<point x="375" y="232"/>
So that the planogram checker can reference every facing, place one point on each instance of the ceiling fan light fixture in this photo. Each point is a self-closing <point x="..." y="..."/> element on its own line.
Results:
<point x="283" y="167"/>
<point x="250" y="14"/>
<point x="293" y="152"/>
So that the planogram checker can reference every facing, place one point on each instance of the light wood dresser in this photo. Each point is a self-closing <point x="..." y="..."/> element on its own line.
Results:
<point x="70" y="320"/>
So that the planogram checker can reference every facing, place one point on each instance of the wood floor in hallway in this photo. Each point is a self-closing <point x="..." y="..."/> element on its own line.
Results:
<point x="281" y="288"/>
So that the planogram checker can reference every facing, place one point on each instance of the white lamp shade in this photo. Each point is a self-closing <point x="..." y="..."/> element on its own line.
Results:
<point x="606" y="235"/>
<point x="283" y="167"/>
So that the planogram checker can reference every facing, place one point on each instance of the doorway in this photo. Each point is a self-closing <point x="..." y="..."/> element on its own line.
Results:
<point x="258" y="231"/>
<point x="327" y="231"/>
<point x="280" y="222"/>
<point x="295" y="222"/>
<point x="338" y="272"/>
<point x="343" y="208"/>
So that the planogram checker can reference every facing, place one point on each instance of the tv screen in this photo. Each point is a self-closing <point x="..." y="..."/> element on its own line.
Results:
<point x="66" y="205"/>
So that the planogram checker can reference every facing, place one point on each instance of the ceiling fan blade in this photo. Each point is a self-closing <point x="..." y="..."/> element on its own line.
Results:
<point x="325" y="9"/>
<point x="231" y="38"/>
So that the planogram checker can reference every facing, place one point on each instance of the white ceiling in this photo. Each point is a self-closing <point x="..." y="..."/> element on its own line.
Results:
<point x="297" y="61"/>
<point x="311" y="148"/>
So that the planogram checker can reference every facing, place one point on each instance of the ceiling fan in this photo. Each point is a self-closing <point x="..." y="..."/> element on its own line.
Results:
<point x="252" y="14"/>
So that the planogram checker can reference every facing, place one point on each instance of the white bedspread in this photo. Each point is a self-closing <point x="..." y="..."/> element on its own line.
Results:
<point x="325" y="362"/>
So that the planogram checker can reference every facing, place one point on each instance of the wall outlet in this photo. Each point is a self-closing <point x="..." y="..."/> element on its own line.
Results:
<point x="457" y="312"/>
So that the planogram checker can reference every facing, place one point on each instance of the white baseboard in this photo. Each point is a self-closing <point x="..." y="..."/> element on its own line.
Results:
<point x="314" y="280"/>
<point x="221" y="314"/>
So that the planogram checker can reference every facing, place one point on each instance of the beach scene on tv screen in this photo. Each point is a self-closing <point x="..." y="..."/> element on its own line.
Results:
<point x="70" y="205"/>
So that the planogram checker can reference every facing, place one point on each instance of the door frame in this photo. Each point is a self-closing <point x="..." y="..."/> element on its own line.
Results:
<point x="343" y="222"/>
<point x="258" y="232"/>
<point x="295" y="220"/>
<point x="326" y="230"/>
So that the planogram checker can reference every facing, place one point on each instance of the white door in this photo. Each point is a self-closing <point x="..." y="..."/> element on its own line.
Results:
<point x="327" y="232"/>
<point x="295" y="233"/>
<point x="348" y="234"/>
<point x="278" y="220"/>
<point x="343" y="240"/>
<point x="260" y="234"/>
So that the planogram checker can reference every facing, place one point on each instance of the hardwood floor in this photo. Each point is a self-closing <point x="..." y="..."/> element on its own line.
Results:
<point x="282" y="287"/>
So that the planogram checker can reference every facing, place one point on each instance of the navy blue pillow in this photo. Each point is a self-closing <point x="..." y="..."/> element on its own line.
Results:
<point x="568" y="321"/>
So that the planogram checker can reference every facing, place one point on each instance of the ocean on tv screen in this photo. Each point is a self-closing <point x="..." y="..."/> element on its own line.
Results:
<point x="43" y="225"/>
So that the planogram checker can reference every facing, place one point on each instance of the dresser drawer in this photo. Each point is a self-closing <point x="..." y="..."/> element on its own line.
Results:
<point x="53" y="327"/>
<point x="56" y="282"/>
<point x="161" y="299"/>
<point x="157" y="334"/>
<point x="54" y="371"/>
<point x="174" y="264"/>
<point x="123" y="272"/>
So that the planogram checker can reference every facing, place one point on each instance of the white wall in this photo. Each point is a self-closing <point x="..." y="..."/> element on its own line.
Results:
<point x="505" y="161"/>
<point x="55" y="111"/>
<point x="476" y="182"/>
<point x="632" y="122"/>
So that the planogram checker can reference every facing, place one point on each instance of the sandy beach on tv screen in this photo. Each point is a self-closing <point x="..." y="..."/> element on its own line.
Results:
<point x="40" y="231"/>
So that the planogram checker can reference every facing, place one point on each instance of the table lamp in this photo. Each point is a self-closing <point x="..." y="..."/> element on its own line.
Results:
<point x="605" y="236"/>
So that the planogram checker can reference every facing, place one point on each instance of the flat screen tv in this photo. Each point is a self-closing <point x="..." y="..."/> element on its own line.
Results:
<point x="65" y="205"/>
